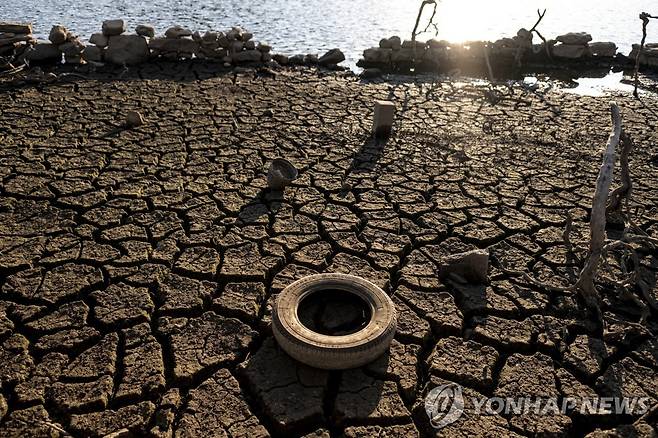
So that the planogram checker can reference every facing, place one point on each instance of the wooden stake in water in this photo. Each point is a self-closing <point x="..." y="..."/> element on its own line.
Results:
<point x="383" y="119"/>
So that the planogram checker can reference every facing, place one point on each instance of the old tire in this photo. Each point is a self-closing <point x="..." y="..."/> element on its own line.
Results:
<point x="334" y="352"/>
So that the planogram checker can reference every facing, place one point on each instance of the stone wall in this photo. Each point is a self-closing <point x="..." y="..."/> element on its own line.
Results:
<point x="114" y="45"/>
<point x="572" y="50"/>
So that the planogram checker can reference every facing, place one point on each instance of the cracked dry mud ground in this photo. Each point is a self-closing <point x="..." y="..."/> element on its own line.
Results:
<point x="138" y="268"/>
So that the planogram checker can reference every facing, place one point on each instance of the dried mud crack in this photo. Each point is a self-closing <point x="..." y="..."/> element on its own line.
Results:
<point x="138" y="266"/>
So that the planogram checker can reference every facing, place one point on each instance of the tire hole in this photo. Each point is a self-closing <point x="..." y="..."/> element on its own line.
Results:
<point x="334" y="312"/>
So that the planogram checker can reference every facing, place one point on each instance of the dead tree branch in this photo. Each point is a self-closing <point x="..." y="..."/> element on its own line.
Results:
<point x="585" y="284"/>
<point x="624" y="191"/>
<point x="414" y="32"/>
<point x="541" y="37"/>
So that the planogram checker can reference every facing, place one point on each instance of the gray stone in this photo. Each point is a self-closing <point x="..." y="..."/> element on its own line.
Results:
<point x="113" y="27"/>
<point x="264" y="47"/>
<point x="99" y="40"/>
<point x="472" y="266"/>
<point x="575" y="38"/>
<point x="43" y="52"/>
<point x="370" y="73"/>
<point x="603" y="49"/>
<point x="58" y="35"/>
<point x="15" y="27"/>
<point x="179" y="45"/>
<point x="247" y="56"/>
<point x="405" y="55"/>
<point x="250" y="45"/>
<point x="145" y="30"/>
<point x="333" y="56"/>
<point x="93" y="53"/>
<point x="395" y="42"/>
<point x="569" y="51"/>
<point x="72" y="48"/>
<point x="178" y="32"/>
<point x="127" y="49"/>
<point x="281" y="59"/>
<point x="379" y="56"/>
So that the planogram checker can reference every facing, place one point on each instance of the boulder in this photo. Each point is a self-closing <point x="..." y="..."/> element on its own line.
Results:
<point x="180" y="45"/>
<point x="333" y="56"/>
<point x="44" y="52"/>
<point x="603" y="49"/>
<point x="370" y="73"/>
<point x="437" y="44"/>
<point x="178" y="32"/>
<point x="10" y="41"/>
<point x="471" y="266"/>
<point x="247" y="56"/>
<point x="58" y="35"/>
<point x="113" y="27"/>
<point x="127" y="49"/>
<point x="405" y="55"/>
<point x="575" y="38"/>
<point x="246" y="36"/>
<point x="377" y="55"/>
<point x="93" y="53"/>
<point x="523" y="38"/>
<point x="281" y="59"/>
<point x="569" y="51"/>
<point x="385" y="43"/>
<point x="145" y="30"/>
<point x="223" y="40"/>
<point x="72" y="49"/>
<point x="649" y="56"/>
<point x="395" y="42"/>
<point x="15" y="27"/>
<point x="297" y="59"/>
<point x="311" y="58"/>
<point x="236" y="46"/>
<point x="250" y="45"/>
<point x="264" y="47"/>
<point x="99" y="40"/>
<point x="134" y="119"/>
<point x="409" y="44"/>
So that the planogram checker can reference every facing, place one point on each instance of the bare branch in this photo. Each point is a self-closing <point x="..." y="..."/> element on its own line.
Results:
<point x="585" y="283"/>
<point x="624" y="191"/>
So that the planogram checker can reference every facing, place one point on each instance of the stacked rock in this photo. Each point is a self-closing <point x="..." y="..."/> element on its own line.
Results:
<point x="15" y="38"/>
<point x="241" y="47"/>
<point x="649" y="56"/>
<point x="576" y="45"/>
<point x="177" y="43"/>
<point x="112" y="45"/>
<point x="61" y="42"/>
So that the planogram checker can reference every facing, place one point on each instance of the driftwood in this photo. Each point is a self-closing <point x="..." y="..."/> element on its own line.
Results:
<point x="585" y="284"/>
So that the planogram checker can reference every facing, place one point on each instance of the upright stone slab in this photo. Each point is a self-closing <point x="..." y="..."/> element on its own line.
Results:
<point x="383" y="120"/>
<point x="127" y="49"/>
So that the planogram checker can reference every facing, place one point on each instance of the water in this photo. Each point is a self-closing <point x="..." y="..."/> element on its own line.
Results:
<point x="302" y="26"/>
<point x="314" y="26"/>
